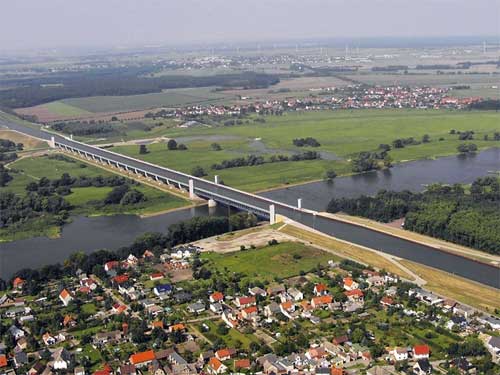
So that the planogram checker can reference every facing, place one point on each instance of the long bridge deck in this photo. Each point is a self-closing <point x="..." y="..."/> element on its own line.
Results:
<point x="480" y="272"/>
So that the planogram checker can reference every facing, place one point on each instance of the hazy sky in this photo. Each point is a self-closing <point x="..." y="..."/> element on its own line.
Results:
<point x="56" y="23"/>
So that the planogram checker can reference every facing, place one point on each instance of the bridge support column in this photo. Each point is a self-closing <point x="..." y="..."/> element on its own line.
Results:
<point x="52" y="142"/>
<point x="216" y="179"/>
<point x="272" y="214"/>
<point x="299" y="203"/>
<point x="71" y="136"/>
<point x="211" y="203"/>
<point x="191" y="189"/>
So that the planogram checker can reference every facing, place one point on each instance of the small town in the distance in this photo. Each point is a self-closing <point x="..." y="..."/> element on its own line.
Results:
<point x="192" y="196"/>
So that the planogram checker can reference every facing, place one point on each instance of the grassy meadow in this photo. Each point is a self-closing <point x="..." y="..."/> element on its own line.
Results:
<point x="283" y="260"/>
<point x="342" y="133"/>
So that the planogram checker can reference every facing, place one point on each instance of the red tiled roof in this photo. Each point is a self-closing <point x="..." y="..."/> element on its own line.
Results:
<point x="17" y="282"/>
<point x="64" y="294"/>
<point x="3" y="360"/>
<point x="217" y="296"/>
<point x="214" y="363"/>
<point x="242" y="363"/>
<point x="354" y="292"/>
<point x="320" y="287"/>
<point x="246" y="300"/>
<point x="120" y="279"/>
<point x="223" y="353"/>
<point x="250" y="310"/>
<point x="142" y="357"/>
<point x="421" y="349"/>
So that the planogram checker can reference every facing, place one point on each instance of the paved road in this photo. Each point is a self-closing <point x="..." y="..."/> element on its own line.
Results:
<point x="480" y="272"/>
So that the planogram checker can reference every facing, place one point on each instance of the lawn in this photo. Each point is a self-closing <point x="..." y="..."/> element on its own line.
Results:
<point x="230" y="340"/>
<point x="342" y="133"/>
<point x="283" y="260"/>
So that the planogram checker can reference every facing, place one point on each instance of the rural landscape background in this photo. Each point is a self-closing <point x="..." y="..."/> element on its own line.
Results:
<point x="271" y="187"/>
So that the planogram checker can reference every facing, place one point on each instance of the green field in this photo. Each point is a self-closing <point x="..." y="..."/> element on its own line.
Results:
<point x="283" y="260"/>
<point x="63" y="109"/>
<point x="343" y="133"/>
<point x="167" y="98"/>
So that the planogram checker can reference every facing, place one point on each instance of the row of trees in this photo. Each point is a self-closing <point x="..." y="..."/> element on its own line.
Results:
<point x="309" y="141"/>
<point x="36" y="91"/>
<point x="252" y="160"/>
<point x="448" y="212"/>
<point x="185" y="231"/>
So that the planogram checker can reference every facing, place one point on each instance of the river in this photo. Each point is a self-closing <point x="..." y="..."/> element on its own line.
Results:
<point x="112" y="232"/>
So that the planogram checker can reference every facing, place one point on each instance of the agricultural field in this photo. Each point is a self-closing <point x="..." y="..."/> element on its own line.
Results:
<point x="167" y="98"/>
<point x="94" y="106"/>
<point x="422" y="79"/>
<point x="277" y="261"/>
<point x="341" y="134"/>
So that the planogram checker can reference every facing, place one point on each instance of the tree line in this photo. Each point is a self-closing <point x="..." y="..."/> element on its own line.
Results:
<point x="469" y="218"/>
<point x="252" y="160"/>
<point x="182" y="232"/>
<point x="34" y="92"/>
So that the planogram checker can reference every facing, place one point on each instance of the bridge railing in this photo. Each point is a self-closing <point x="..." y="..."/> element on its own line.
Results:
<point x="185" y="175"/>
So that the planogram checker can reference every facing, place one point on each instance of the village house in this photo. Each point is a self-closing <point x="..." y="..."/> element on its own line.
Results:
<point x="142" y="359"/>
<point x="320" y="289"/>
<point x="421" y="352"/>
<point x="354" y="295"/>
<point x="65" y="297"/>
<point x="196" y="308"/>
<point x="350" y="284"/>
<point x="256" y="291"/>
<point x="242" y="302"/>
<point x="295" y="294"/>
<point x="162" y="290"/>
<point x="215" y="366"/>
<point x="399" y="354"/>
<point x="216" y="297"/>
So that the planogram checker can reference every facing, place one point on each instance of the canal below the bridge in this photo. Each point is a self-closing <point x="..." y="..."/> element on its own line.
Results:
<point x="111" y="232"/>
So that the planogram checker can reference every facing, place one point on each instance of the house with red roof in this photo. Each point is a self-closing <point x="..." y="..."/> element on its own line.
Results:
<point x="216" y="297"/>
<point x="320" y="289"/>
<point x="242" y="364"/>
<point x="350" y="284"/>
<point x="321" y="301"/>
<point x="355" y="295"/>
<point x="244" y="301"/>
<point x="65" y="297"/>
<point x="113" y="264"/>
<point x="421" y="351"/>
<point x="386" y="301"/>
<point x="225" y="354"/>
<point x="249" y="312"/>
<point x="215" y="366"/>
<point x="143" y="358"/>
<point x="3" y="360"/>
<point x="120" y="279"/>
<point x="18" y="283"/>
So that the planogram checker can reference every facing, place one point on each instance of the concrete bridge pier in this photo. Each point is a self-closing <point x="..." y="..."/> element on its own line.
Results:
<point x="272" y="214"/>
<point x="191" y="189"/>
<point x="299" y="203"/>
<point x="52" y="142"/>
<point x="216" y="179"/>
<point x="212" y="203"/>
